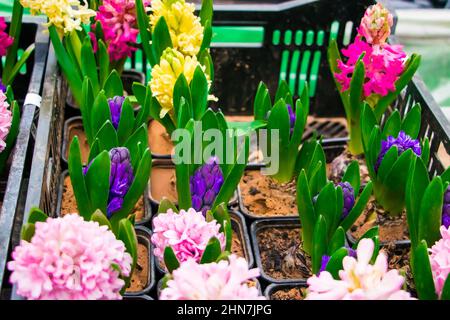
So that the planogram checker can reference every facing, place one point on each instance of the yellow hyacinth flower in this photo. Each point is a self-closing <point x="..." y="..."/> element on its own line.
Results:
<point x="65" y="15"/>
<point x="164" y="75"/>
<point x="186" y="31"/>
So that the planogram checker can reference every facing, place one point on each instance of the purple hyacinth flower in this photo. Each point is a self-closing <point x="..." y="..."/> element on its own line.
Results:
<point x="446" y="208"/>
<point x="323" y="265"/>
<point x="115" y="107"/>
<point x="2" y="87"/>
<point x="351" y="252"/>
<point x="120" y="179"/>
<point x="403" y="142"/>
<point x="291" y="118"/>
<point x="205" y="184"/>
<point x="349" y="198"/>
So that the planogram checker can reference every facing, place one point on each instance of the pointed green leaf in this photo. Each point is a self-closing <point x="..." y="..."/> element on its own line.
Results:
<point x="334" y="265"/>
<point x="319" y="243"/>
<point x="423" y="277"/>
<point x="212" y="251"/>
<point x="430" y="214"/>
<point x="358" y="208"/>
<point x="352" y="176"/>
<point x="170" y="260"/>
<point x="97" y="181"/>
<point x="411" y="122"/>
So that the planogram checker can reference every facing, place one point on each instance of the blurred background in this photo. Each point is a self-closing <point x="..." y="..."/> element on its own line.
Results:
<point x="423" y="27"/>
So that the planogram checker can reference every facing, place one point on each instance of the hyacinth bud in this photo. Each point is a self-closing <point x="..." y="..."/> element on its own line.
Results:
<point x="446" y="208"/>
<point x="324" y="262"/>
<point x="115" y="107"/>
<point x="205" y="185"/>
<point x="403" y="143"/>
<point x="120" y="178"/>
<point x="376" y="24"/>
<point x="291" y="118"/>
<point x="2" y="87"/>
<point x="349" y="198"/>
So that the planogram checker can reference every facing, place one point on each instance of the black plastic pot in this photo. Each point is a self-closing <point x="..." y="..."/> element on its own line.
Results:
<point x="398" y="243"/>
<point x="276" y="287"/>
<point x="128" y="78"/>
<point x="15" y="177"/>
<point x="267" y="224"/>
<point x="238" y="224"/>
<point x="66" y="142"/>
<point x="144" y="237"/>
<point x="164" y="163"/>
<point x="147" y="207"/>
<point x="331" y="151"/>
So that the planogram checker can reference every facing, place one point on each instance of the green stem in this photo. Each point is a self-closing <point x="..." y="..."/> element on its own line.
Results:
<point x="355" y="144"/>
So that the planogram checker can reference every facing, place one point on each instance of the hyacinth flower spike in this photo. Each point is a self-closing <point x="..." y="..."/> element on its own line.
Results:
<point x="389" y="153"/>
<point x="373" y="71"/>
<point x="113" y="181"/>
<point x="92" y="240"/>
<point x="328" y="210"/>
<point x="205" y="186"/>
<point x="203" y="239"/>
<point x="109" y="119"/>
<point x="289" y="119"/>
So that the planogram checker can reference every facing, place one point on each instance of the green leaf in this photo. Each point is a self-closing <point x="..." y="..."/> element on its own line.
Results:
<point x="113" y="85"/>
<point x="387" y="163"/>
<point x="212" y="251"/>
<point x="86" y="107"/>
<point x="144" y="27"/>
<point x="334" y="56"/>
<point x="77" y="178"/>
<point x="183" y="186"/>
<point x="97" y="181"/>
<point x="283" y="92"/>
<point x="393" y="125"/>
<point x="430" y="214"/>
<point x="181" y="89"/>
<point x="37" y="215"/>
<point x="27" y="232"/>
<point x="411" y="122"/>
<point x="222" y="217"/>
<point x="206" y="12"/>
<point x="170" y="260"/>
<point x="425" y="150"/>
<point x="67" y="64"/>
<point x="107" y="137"/>
<point x="164" y="206"/>
<point x="207" y="36"/>
<point x="368" y="122"/>
<point x="306" y="211"/>
<point x="352" y="176"/>
<point x="12" y="135"/>
<point x="127" y="234"/>
<point x="102" y="220"/>
<point x="319" y="243"/>
<point x="88" y="63"/>
<point x="445" y="294"/>
<point x="161" y="39"/>
<point x="356" y="89"/>
<point x="334" y="265"/>
<point x="262" y="103"/>
<point x="139" y="139"/>
<point x="423" y="277"/>
<point x="23" y="59"/>
<point x="358" y="208"/>
<point x="126" y="122"/>
<point x="418" y="181"/>
<point x="337" y="241"/>
<point x="15" y="28"/>
<point x="100" y="113"/>
<point x="140" y="92"/>
<point x="326" y="206"/>
<point x="103" y="62"/>
<point x="199" y="90"/>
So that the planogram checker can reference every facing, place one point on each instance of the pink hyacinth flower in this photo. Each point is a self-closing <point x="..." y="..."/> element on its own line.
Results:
<point x="187" y="233"/>
<point x="5" y="40"/>
<point x="376" y="24"/>
<point x="383" y="66"/>
<point x="223" y="280"/>
<point x="359" y="280"/>
<point x="118" y="19"/>
<point x="440" y="260"/>
<point x="5" y="120"/>
<point x="70" y="259"/>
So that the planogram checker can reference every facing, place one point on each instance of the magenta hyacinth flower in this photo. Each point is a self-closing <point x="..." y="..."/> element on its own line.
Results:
<point x="446" y="208"/>
<point x="115" y="107"/>
<point x="205" y="185"/>
<point x="403" y="142"/>
<point x="349" y="198"/>
<point x="5" y="40"/>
